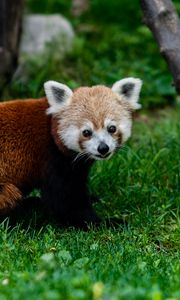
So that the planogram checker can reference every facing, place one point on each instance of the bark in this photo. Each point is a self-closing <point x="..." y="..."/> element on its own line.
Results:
<point x="10" y="30"/>
<point x="162" y="19"/>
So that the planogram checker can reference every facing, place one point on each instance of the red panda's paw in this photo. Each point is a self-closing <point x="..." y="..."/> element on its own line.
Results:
<point x="10" y="196"/>
<point x="82" y="219"/>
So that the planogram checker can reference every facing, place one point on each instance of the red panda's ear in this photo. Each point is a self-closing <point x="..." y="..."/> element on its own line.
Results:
<point x="130" y="89"/>
<point x="58" y="95"/>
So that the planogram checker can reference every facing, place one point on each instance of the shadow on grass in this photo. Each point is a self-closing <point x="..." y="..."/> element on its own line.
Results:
<point x="31" y="214"/>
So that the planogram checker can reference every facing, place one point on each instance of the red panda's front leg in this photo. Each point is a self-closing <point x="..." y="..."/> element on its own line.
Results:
<point x="65" y="195"/>
<point x="10" y="196"/>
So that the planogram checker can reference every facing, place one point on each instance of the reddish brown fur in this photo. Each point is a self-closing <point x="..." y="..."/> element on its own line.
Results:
<point x="96" y="103"/>
<point x="24" y="140"/>
<point x="9" y="197"/>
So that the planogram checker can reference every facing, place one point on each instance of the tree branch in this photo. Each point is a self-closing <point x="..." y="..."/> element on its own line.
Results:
<point x="162" y="19"/>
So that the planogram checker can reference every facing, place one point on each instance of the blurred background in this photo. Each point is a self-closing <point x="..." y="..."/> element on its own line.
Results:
<point x="87" y="43"/>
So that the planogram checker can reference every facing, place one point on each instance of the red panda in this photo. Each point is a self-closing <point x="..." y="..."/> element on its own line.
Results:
<point x="50" y="143"/>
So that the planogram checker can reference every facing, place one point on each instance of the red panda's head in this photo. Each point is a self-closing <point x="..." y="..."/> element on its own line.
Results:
<point x="94" y="121"/>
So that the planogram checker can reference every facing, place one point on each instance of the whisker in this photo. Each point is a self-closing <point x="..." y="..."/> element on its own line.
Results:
<point x="79" y="156"/>
<point x="88" y="157"/>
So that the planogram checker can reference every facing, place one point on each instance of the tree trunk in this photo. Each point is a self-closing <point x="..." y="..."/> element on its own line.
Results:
<point x="161" y="17"/>
<point x="10" y="30"/>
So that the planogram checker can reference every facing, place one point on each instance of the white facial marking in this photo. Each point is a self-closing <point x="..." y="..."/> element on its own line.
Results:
<point x="109" y="122"/>
<point x="70" y="138"/>
<point x="125" y="128"/>
<point x="99" y="136"/>
<point x="87" y="125"/>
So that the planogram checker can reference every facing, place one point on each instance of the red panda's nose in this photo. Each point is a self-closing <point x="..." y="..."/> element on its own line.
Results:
<point x="103" y="148"/>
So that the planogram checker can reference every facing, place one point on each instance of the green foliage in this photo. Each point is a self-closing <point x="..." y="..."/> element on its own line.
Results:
<point x="110" y="44"/>
<point x="88" y="65"/>
<point x="48" y="6"/>
<point x="116" y="12"/>
<point x="101" y="10"/>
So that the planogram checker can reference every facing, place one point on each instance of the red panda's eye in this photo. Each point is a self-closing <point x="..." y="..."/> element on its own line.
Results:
<point x="112" y="129"/>
<point x="87" y="133"/>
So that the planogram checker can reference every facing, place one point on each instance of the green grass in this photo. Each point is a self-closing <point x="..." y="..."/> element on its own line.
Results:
<point x="137" y="261"/>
